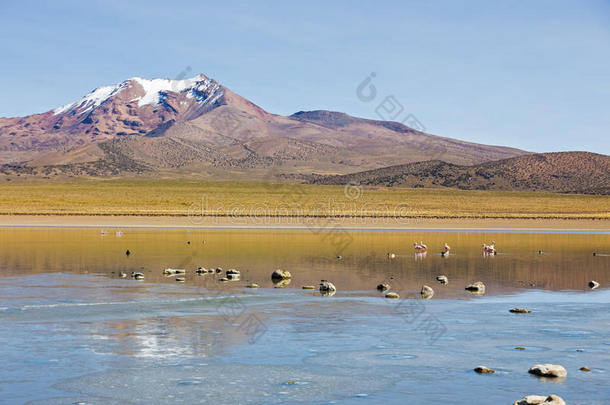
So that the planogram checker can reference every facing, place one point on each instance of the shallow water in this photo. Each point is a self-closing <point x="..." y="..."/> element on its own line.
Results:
<point x="72" y="331"/>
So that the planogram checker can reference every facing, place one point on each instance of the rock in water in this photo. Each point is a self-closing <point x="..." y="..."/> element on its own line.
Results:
<point x="280" y="275"/>
<point x="540" y="400"/>
<point x="593" y="284"/>
<point x="308" y="287"/>
<point x="253" y="285"/>
<point x="392" y="295"/>
<point x="548" y="370"/>
<point x="169" y="272"/>
<point x="427" y="292"/>
<point x="442" y="279"/>
<point x="326" y="286"/>
<point x="584" y="368"/>
<point x="476" y="288"/>
<point x="520" y="310"/>
<point x="484" y="370"/>
<point x="383" y="287"/>
<point x="233" y="275"/>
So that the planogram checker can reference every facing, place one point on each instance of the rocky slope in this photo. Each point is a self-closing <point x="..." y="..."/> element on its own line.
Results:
<point x="569" y="172"/>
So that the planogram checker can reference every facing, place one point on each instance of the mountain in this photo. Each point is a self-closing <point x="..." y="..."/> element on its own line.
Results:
<point x="567" y="172"/>
<point x="199" y="127"/>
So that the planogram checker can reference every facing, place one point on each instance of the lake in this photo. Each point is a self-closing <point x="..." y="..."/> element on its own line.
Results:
<point x="73" y="331"/>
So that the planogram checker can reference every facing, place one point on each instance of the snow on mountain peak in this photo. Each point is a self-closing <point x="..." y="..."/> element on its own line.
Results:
<point x="93" y="99"/>
<point x="201" y="88"/>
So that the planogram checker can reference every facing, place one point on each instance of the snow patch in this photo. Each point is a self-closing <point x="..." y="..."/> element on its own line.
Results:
<point x="93" y="99"/>
<point x="200" y="88"/>
<point x="196" y="87"/>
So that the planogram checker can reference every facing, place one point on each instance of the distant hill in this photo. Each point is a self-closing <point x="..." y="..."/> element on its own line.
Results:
<point x="199" y="126"/>
<point x="564" y="172"/>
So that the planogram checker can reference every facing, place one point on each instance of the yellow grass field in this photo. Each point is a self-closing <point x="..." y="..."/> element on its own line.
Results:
<point x="183" y="198"/>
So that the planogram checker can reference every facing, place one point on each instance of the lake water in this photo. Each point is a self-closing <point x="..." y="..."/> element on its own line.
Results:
<point x="73" y="331"/>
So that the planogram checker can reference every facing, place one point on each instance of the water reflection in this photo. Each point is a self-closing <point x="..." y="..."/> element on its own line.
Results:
<point x="567" y="261"/>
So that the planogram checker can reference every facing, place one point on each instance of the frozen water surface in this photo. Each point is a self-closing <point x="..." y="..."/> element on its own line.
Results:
<point x="72" y="331"/>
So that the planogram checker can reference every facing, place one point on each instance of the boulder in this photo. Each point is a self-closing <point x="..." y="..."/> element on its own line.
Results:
<point x="326" y="286"/>
<point x="442" y="279"/>
<point x="476" y="288"/>
<point x="584" y="368"/>
<point x="427" y="292"/>
<point x="540" y="400"/>
<point x="484" y="370"/>
<point x="520" y="310"/>
<point x="548" y="370"/>
<point x="280" y="275"/>
<point x="169" y="272"/>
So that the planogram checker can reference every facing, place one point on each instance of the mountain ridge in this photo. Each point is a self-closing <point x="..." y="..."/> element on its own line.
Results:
<point x="199" y="126"/>
<point x="566" y="172"/>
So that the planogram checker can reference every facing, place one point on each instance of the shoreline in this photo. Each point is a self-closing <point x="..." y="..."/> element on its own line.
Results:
<point x="300" y="223"/>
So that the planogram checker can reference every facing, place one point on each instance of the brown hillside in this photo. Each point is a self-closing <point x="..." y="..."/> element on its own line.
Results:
<point x="566" y="172"/>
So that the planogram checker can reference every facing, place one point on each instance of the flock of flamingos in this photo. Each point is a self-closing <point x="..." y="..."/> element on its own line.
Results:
<point x="421" y="247"/>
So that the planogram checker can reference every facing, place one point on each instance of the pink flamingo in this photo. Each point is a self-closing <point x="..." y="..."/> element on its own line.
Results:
<point x="420" y="247"/>
<point x="489" y="248"/>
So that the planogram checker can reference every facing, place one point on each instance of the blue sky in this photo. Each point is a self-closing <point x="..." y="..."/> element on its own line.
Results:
<point x="529" y="74"/>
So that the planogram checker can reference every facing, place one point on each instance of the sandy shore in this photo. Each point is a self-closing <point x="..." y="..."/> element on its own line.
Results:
<point x="109" y="221"/>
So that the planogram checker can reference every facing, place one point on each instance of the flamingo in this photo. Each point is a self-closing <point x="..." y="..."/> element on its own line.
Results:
<point x="490" y="248"/>
<point x="420" y="247"/>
